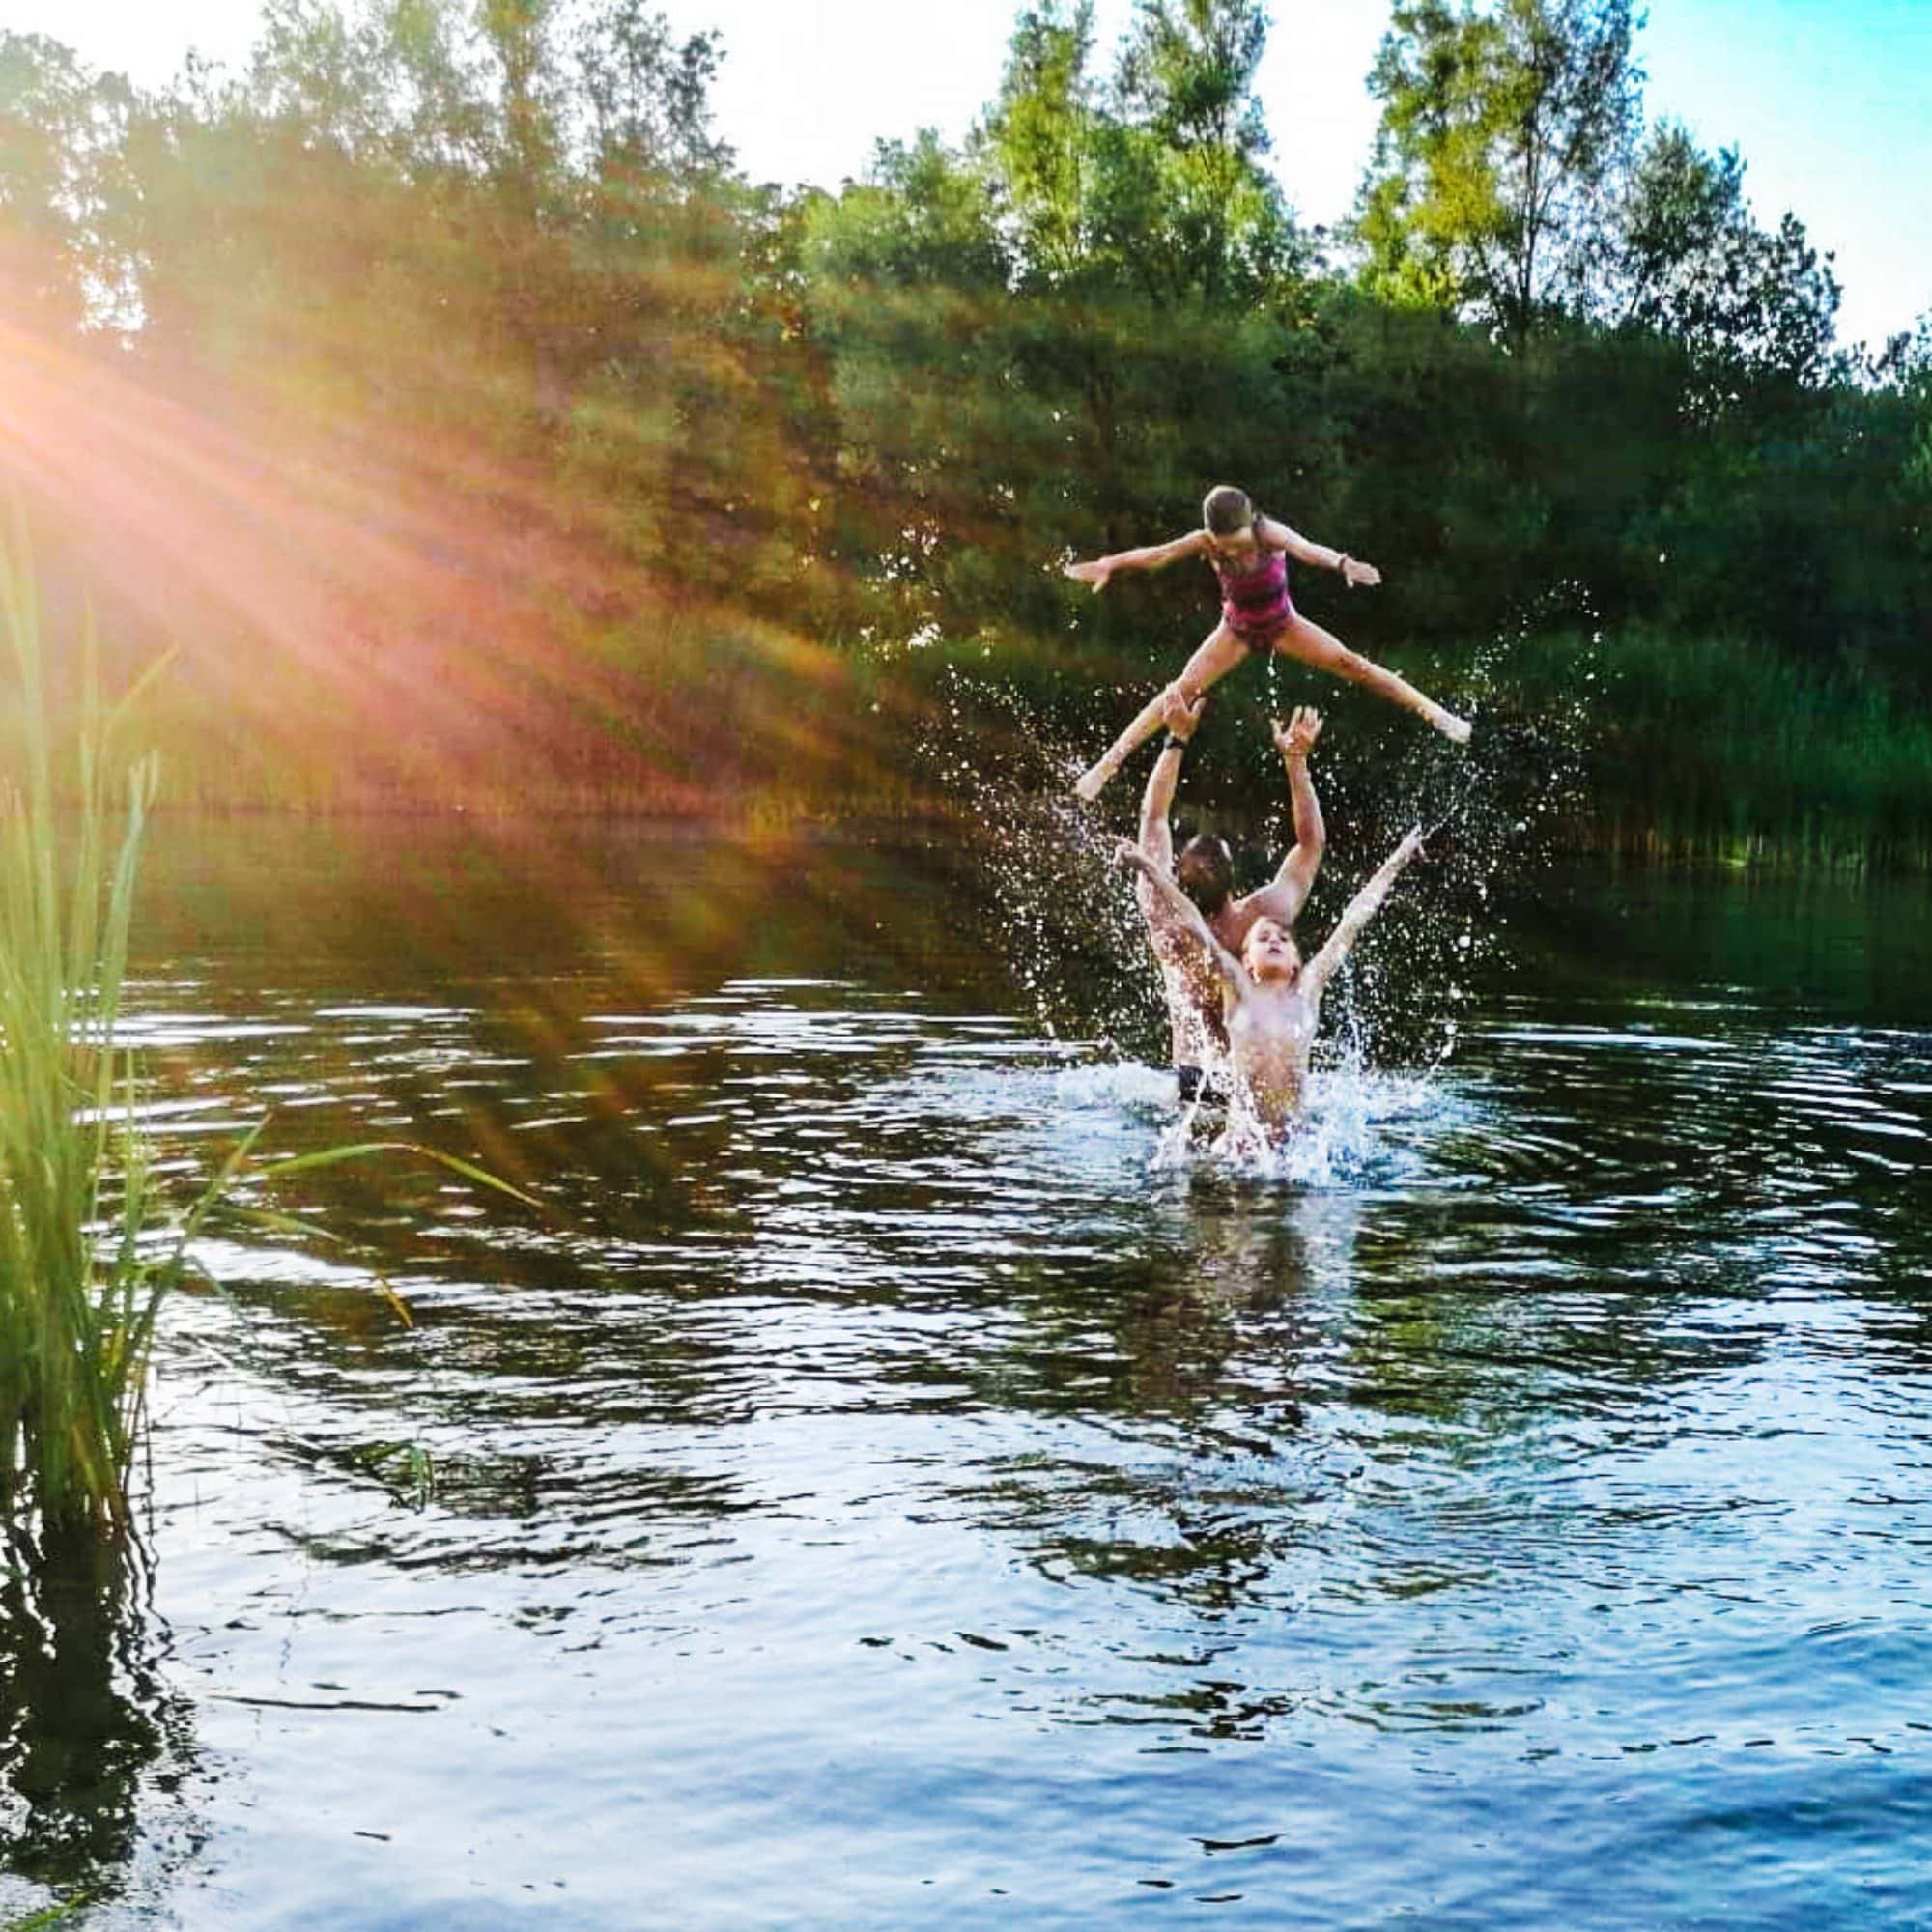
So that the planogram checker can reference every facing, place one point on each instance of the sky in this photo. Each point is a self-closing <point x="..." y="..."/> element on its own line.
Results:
<point x="1826" y="99"/>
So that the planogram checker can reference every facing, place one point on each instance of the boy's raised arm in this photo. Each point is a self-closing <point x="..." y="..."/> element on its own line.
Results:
<point x="1362" y="908"/>
<point x="1232" y="972"/>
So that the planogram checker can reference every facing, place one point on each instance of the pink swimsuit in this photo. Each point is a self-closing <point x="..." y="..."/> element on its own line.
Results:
<point x="1254" y="604"/>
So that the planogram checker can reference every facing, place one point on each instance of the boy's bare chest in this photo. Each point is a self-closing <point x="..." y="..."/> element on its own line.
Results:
<point x="1269" y="1023"/>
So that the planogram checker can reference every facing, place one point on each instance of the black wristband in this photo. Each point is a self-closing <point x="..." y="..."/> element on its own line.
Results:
<point x="1174" y="744"/>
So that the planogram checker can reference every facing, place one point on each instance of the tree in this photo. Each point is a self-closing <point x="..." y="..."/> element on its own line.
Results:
<point x="1503" y="135"/>
<point x="1188" y="75"/>
<point x="645" y="99"/>
<point x="1186" y="89"/>
<point x="907" y="299"/>
<point x="1154" y="184"/>
<point x="62" y="129"/>
<point x="1041" y="141"/>
<point x="1687" y="261"/>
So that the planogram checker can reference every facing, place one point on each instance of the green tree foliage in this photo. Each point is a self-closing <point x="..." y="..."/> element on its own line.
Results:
<point x="1154" y="183"/>
<point x="514" y="222"/>
<point x="1503" y="136"/>
<point x="1044" y="141"/>
<point x="1053" y="335"/>
<point x="500" y="243"/>
<point x="1186" y="89"/>
<point x="1684" y="260"/>
<point x="906" y="305"/>
<point x="63" y="182"/>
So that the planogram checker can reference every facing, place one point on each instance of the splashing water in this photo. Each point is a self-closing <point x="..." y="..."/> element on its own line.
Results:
<point x="1074" y="940"/>
<point x="1069" y="924"/>
<point x="1348" y="1137"/>
<point x="1495" y="813"/>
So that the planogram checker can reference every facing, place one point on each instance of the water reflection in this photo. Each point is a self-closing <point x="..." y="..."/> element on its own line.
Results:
<point x="874" y="1398"/>
<point x="92" y="1739"/>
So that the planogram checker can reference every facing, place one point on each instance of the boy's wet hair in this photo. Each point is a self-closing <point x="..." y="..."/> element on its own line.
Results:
<point x="1226" y="511"/>
<point x="1205" y="871"/>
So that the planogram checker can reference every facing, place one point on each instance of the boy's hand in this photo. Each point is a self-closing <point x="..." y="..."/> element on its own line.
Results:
<point x="1095" y="572"/>
<point x="1178" y="715"/>
<point x="1296" y="739"/>
<point x="1130" y="858"/>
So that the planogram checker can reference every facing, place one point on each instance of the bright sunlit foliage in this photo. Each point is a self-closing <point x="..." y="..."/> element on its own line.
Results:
<point x="484" y="439"/>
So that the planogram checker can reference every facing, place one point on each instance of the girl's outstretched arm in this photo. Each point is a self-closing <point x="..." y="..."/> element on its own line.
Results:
<point x="1153" y="556"/>
<point x="1233" y="975"/>
<point x="1352" y="570"/>
<point x="1362" y="908"/>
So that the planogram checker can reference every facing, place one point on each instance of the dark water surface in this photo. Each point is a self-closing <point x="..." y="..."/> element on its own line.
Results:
<point x="882" y="1494"/>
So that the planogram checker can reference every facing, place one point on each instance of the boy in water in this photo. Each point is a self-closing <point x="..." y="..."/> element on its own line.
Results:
<point x="1248" y="552"/>
<point x="1204" y="871"/>
<point x="1271" y="1001"/>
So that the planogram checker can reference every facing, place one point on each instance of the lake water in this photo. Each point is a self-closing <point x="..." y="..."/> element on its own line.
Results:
<point x="883" y="1491"/>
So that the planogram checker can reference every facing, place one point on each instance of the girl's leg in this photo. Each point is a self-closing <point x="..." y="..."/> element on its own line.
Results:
<point x="1212" y="660"/>
<point x="1314" y="645"/>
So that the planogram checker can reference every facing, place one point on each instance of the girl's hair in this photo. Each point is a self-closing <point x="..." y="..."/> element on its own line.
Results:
<point x="1226" y="511"/>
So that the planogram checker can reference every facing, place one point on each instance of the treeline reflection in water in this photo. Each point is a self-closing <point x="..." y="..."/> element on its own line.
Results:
<point x="883" y="1492"/>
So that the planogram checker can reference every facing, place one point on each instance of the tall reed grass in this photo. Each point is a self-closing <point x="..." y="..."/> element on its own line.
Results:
<point x="1722" y="750"/>
<point x="89" y="1247"/>
<point x="80" y="1285"/>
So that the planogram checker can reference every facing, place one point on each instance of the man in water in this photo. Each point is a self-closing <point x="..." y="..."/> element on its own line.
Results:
<point x="1205" y="871"/>
<point x="1271" y="1001"/>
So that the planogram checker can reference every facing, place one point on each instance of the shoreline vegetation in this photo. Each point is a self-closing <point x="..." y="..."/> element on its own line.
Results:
<point x="81" y="1277"/>
<point x="1676" y="756"/>
<point x="96" y="1231"/>
<point x="483" y="444"/>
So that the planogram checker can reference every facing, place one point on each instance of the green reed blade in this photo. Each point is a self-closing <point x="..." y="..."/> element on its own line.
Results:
<point x="455" y="1164"/>
<point x="81" y="1282"/>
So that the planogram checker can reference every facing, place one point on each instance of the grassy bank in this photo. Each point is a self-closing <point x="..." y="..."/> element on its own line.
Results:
<point x="1725" y="752"/>
<point x="1714" y="751"/>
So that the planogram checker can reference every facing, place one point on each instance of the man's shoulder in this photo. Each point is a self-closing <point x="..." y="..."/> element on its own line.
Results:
<point x="1265" y="900"/>
<point x="1171" y="942"/>
<point x="1232" y="923"/>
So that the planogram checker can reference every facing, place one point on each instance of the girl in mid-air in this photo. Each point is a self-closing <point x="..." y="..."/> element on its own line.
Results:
<point x="1249" y="553"/>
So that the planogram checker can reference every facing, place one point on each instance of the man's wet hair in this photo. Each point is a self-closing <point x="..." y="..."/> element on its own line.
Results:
<point x="1226" y="511"/>
<point x="1205" y="871"/>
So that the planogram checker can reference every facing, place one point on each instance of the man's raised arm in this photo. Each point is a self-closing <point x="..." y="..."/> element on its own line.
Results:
<point x="1285" y="894"/>
<point x="1157" y="801"/>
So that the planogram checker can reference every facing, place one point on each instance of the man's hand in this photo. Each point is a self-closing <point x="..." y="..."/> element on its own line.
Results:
<point x="1095" y="572"/>
<point x="1296" y="738"/>
<point x="1178" y="715"/>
